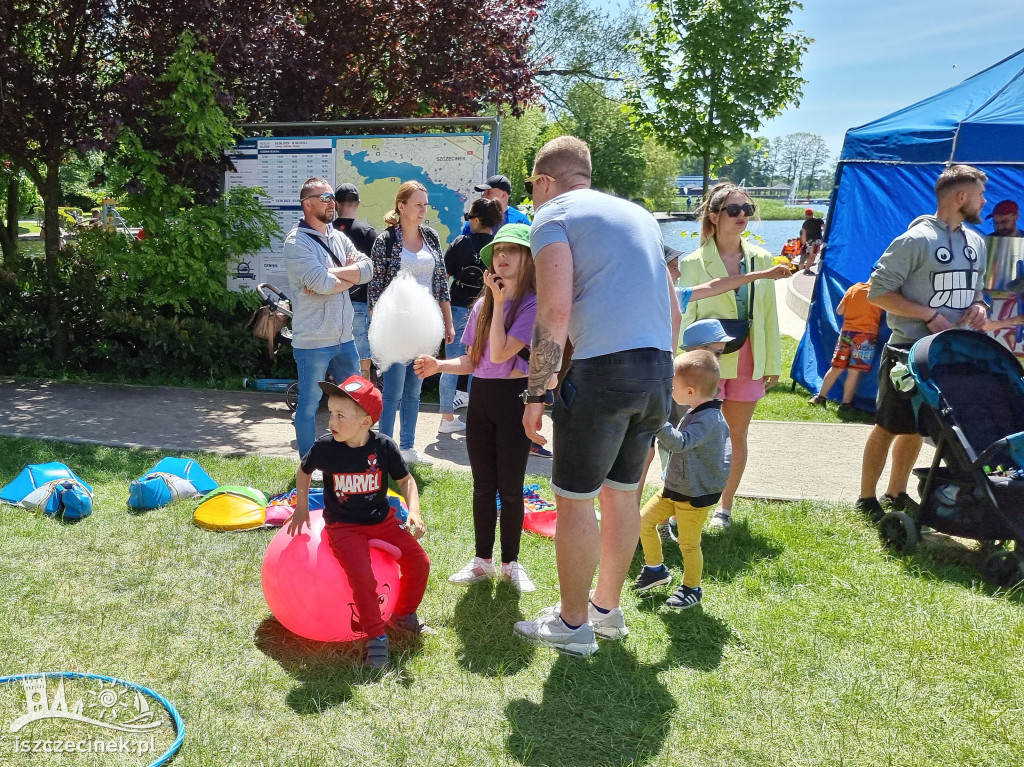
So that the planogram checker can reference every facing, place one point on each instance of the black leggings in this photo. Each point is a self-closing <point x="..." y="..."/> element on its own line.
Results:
<point x="498" y="449"/>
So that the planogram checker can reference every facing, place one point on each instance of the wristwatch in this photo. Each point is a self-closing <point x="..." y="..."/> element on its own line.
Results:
<point x="548" y="398"/>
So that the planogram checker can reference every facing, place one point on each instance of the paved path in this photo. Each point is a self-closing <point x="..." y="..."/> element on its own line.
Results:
<point x="787" y="460"/>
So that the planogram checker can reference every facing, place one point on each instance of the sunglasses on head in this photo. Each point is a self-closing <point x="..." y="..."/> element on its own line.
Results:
<point x="734" y="210"/>
<point x="528" y="183"/>
<point x="325" y="197"/>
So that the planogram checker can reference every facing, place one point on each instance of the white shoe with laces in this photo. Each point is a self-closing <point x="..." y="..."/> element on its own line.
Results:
<point x="414" y="457"/>
<point x="549" y="630"/>
<point x="477" y="571"/>
<point x="452" y="426"/>
<point x="721" y="519"/>
<point x="514" y="573"/>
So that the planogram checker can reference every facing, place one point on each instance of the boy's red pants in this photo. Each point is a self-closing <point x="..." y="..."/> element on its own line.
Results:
<point x="351" y="545"/>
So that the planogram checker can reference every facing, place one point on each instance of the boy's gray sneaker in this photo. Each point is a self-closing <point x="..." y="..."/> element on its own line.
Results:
<point x="411" y="624"/>
<point x="549" y="630"/>
<point x="651" y="577"/>
<point x="377" y="655"/>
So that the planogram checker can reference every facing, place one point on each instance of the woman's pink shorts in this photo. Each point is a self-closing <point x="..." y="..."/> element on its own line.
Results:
<point x="742" y="388"/>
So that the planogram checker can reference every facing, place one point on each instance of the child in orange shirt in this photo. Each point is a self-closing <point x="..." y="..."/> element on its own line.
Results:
<point x="856" y="347"/>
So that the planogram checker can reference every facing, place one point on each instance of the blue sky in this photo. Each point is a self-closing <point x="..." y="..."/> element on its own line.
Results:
<point x="872" y="57"/>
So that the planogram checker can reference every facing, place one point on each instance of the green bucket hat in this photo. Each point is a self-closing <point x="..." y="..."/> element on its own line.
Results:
<point x="516" y="233"/>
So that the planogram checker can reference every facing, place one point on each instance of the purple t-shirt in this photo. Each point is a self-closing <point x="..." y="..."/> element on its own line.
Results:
<point x="521" y="329"/>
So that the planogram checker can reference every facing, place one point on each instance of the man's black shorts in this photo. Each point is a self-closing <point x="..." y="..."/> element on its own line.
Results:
<point x="895" y="412"/>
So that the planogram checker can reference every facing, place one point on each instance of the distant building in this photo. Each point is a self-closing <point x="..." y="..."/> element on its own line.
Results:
<point x="687" y="186"/>
<point x="778" y="191"/>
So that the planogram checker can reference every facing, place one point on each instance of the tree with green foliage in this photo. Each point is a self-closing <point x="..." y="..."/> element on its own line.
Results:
<point x="714" y="70"/>
<point x="579" y="42"/>
<point x="660" y="170"/>
<point x="520" y="140"/>
<point x="616" y="148"/>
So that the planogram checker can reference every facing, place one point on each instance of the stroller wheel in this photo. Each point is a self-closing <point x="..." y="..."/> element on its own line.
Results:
<point x="1003" y="569"/>
<point x="899" y="532"/>
<point x="291" y="396"/>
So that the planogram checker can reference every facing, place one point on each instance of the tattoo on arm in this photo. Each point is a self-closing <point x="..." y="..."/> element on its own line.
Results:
<point x="545" y="359"/>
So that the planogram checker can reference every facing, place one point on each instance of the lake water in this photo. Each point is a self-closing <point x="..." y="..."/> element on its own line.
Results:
<point x="770" y="235"/>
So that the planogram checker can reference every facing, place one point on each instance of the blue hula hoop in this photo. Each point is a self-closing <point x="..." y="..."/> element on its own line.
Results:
<point x="179" y="725"/>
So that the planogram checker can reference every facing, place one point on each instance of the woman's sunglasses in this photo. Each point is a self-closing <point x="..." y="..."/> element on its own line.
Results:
<point x="734" y="210"/>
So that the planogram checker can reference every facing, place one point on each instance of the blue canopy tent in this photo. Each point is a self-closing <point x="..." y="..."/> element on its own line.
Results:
<point x="885" y="179"/>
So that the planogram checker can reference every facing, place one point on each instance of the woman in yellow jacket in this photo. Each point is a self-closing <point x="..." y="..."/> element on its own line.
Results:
<point x="747" y="373"/>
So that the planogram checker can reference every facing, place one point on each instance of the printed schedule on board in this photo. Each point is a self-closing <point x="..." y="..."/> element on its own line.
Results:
<point x="448" y="165"/>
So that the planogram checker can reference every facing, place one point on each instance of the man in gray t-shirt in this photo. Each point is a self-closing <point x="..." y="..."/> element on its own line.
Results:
<point x="602" y="284"/>
<point x="929" y="279"/>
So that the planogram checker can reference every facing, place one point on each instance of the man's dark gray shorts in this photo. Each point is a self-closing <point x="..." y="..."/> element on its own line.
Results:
<point x="607" y="410"/>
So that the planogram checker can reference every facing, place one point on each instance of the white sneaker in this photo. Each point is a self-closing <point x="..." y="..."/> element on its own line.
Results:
<point x="610" y="625"/>
<point x="516" y="575"/>
<point x="452" y="426"/>
<point x="414" y="457"/>
<point x="548" y="630"/>
<point x="722" y="518"/>
<point x="461" y="400"/>
<point x="477" y="571"/>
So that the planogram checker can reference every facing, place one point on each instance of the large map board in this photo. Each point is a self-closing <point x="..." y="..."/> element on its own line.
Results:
<point x="449" y="166"/>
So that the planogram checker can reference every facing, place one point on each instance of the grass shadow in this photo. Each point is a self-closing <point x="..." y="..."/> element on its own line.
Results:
<point x="483" y="619"/>
<point x="735" y="549"/>
<point x="604" y="711"/>
<point x="328" y="672"/>
<point x="957" y="561"/>
<point x="697" y="638"/>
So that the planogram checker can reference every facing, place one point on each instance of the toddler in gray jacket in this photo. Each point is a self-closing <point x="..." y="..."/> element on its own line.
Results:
<point x="697" y="470"/>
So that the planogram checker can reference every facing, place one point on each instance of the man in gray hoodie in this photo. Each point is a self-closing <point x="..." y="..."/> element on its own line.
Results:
<point x="322" y="265"/>
<point x="929" y="279"/>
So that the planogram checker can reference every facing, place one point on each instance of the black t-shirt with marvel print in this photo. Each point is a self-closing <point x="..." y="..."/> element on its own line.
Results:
<point x="355" y="478"/>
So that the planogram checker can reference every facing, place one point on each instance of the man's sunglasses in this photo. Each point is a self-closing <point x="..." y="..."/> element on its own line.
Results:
<point x="325" y="197"/>
<point x="734" y="210"/>
<point x="528" y="183"/>
<point x="469" y="216"/>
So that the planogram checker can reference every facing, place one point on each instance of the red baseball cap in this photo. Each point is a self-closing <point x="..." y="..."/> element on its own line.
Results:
<point x="365" y="394"/>
<point x="808" y="212"/>
<point x="1006" y="207"/>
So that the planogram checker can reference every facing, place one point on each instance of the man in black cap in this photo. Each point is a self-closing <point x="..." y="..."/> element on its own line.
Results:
<point x="498" y="188"/>
<point x="362" y="235"/>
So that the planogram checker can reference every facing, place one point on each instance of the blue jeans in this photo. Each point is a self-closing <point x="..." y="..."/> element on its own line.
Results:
<point x="340" y="361"/>
<point x="360" y="328"/>
<point x="454" y="350"/>
<point x="401" y="384"/>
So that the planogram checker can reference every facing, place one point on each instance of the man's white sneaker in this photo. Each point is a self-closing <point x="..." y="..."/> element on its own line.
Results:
<point x="548" y="630"/>
<point x="721" y="518"/>
<point x="477" y="571"/>
<point x="516" y="575"/>
<point x="610" y="625"/>
<point x="452" y="426"/>
<point x="414" y="457"/>
<point x="461" y="400"/>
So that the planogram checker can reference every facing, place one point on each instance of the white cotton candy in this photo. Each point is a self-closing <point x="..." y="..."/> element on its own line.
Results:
<point x="406" y="323"/>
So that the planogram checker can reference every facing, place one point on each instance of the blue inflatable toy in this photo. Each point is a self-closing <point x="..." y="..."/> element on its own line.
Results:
<point x="170" y="480"/>
<point x="51" y="488"/>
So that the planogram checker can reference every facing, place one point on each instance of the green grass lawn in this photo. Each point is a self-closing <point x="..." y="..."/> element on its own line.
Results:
<point x="813" y="646"/>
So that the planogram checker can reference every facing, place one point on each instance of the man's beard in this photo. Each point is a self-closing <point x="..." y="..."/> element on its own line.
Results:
<point x="327" y="218"/>
<point x="970" y="216"/>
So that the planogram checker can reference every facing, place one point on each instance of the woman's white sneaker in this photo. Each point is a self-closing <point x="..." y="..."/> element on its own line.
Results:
<point x="477" y="571"/>
<point x="514" y="573"/>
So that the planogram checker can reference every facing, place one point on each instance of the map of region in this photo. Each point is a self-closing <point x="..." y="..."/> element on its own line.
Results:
<point x="447" y="165"/>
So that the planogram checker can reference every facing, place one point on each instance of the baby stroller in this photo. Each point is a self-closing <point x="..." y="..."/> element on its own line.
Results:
<point x="968" y="396"/>
<point x="270" y="322"/>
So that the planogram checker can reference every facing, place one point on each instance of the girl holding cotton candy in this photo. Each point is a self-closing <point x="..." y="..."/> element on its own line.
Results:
<point x="408" y="246"/>
<point x="497" y="334"/>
